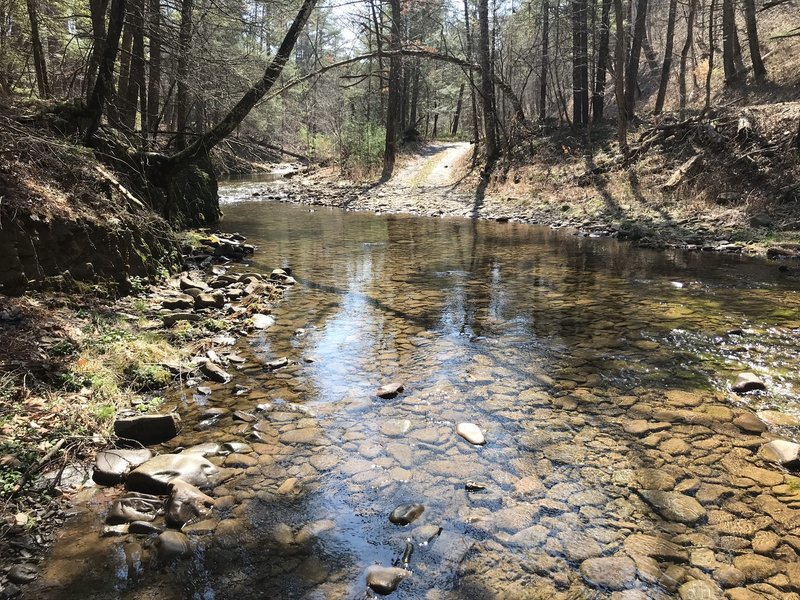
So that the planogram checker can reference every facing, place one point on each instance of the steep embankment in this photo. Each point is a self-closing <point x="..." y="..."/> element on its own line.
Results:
<point x="66" y="218"/>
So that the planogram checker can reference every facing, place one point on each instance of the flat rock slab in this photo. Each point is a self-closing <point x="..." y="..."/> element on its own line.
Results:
<point x="674" y="506"/>
<point x="154" y="476"/>
<point x="655" y="547"/>
<point x="472" y="433"/>
<point x="750" y="423"/>
<point x="147" y="429"/>
<point x="111" y="466"/>
<point x="215" y="372"/>
<point x="384" y="580"/>
<point x="389" y="390"/>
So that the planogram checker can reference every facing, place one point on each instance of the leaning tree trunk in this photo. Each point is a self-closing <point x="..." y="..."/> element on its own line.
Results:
<point x="667" y="65"/>
<point x="487" y="84"/>
<point x="619" y="78"/>
<point x="393" y="107"/>
<point x="598" y="99"/>
<point x="632" y="70"/>
<point x="39" y="64"/>
<point x="687" y="45"/>
<point x="204" y="143"/>
<point x="759" y="71"/>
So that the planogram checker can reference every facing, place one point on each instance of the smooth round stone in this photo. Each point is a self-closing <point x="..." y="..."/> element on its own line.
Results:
<point x="153" y="477"/>
<point x="674" y="506"/>
<point x="782" y="452"/>
<point x="471" y="433"/>
<point x="406" y="513"/>
<point x="384" y="580"/>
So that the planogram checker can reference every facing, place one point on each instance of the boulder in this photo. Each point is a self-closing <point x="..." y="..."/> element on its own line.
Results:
<point x="133" y="507"/>
<point x="210" y="300"/>
<point x="154" y="476"/>
<point x="147" y="429"/>
<point x="180" y="301"/>
<point x="750" y="423"/>
<point x="111" y="466"/>
<point x="187" y="283"/>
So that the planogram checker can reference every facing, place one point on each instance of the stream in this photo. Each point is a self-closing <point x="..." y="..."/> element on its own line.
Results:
<point x="618" y="463"/>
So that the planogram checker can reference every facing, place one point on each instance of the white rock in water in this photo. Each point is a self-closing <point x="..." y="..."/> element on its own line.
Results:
<point x="471" y="433"/>
<point x="262" y="321"/>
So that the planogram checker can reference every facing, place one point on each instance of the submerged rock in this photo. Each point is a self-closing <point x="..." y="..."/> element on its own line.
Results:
<point x="384" y="580"/>
<point x="154" y="476"/>
<point x="406" y="513"/>
<point x="471" y="433"/>
<point x="612" y="572"/>
<point x="260" y="321"/>
<point x="674" y="506"/>
<point x="697" y="589"/>
<point x="748" y="382"/>
<point x="389" y="390"/>
<point x="111" y="466"/>
<point x="172" y="545"/>
<point x="147" y="429"/>
<point x="186" y="503"/>
<point x="24" y="573"/>
<point x="132" y="508"/>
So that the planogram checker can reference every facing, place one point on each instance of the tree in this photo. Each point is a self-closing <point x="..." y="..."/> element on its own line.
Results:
<point x="40" y="66"/>
<point x="545" y="61"/>
<point x="731" y="52"/>
<point x="687" y="45"/>
<point x="393" y="108"/>
<point x="632" y="69"/>
<point x="487" y="84"/>
<point x="154" y="81"/>
<point x="667" y="64"/>
<point x="580" y="64"/>
<point x="181" y="97"/>
<point x="619" y="78"/>
<point x="598" y="98"/>
<point x="759" y="71"/>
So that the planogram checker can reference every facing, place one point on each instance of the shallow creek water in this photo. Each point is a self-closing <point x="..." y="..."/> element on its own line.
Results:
<point x="599" y="373"/>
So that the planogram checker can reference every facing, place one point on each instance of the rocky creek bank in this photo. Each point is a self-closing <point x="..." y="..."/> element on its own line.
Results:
<point x="203" y="310"/>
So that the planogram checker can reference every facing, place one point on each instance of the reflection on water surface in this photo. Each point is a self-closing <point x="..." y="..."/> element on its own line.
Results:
<point x="599" y="374"/>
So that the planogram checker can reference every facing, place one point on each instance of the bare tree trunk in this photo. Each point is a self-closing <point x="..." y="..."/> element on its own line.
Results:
<point x="711" y="8"/>
<point x="619" y="78"/>
<point x="154" y="82"/>
<point x="580" y="64"/>
<point x="181" y="97"/>
<point x="134" y="89"/>
<point x="545" y="61"/>
<point x="204" y="143"/>
<point x="632" y="70"/>
<point x="598" y="99"/>
<point x="487" y="84"/>
<point x="457" y="115"/>
<point x="731" y="51"/>
<point x="475" y="126"/>
<point x="687" y="45"/>
<point x="97" y="11"/>
<point x="39" y="63"/>
<point x="393" y="107"/>
<point x="105" y="74"/>
<point x="118" y="113"/>
<point x="759" y="71"/>
<point x="667" y="65"/>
